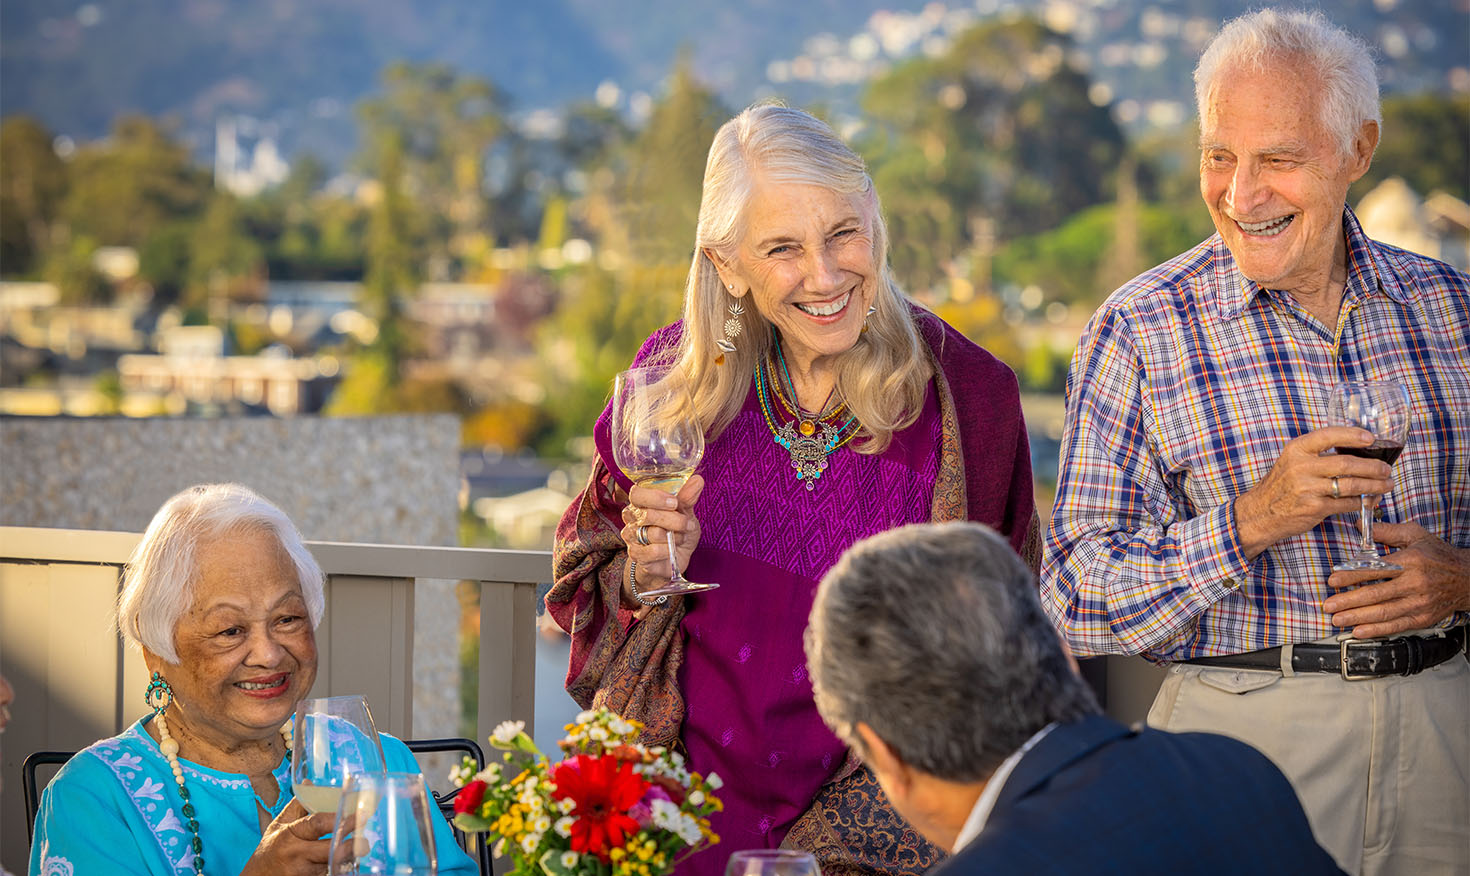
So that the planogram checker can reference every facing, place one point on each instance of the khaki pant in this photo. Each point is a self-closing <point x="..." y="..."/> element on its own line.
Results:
<point x="1382" y="766"/>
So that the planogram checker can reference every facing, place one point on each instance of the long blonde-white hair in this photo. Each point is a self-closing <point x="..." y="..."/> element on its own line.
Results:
<point x="884" y="375"/>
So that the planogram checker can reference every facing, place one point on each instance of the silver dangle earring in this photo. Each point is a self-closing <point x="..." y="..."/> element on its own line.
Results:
<point x="733" y="328"/>
<point x="872" y="309"/>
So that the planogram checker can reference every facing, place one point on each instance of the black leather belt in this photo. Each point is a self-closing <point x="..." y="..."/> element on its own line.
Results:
<point x="1354" y="659"/>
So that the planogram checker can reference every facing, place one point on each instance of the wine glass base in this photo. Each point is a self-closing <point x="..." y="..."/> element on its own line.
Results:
<point x="1359" y="564"/>
<point x="675" y="588"/>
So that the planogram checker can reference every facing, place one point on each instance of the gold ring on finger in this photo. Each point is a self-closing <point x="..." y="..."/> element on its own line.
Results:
<point x="1336" y="493"/>
<point x="643" y="535"/>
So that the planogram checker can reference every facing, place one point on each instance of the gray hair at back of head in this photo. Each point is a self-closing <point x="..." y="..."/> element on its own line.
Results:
<point x="158" y="585"/>
<point x="933" y="636"/>
<point x="1345" y="64"/>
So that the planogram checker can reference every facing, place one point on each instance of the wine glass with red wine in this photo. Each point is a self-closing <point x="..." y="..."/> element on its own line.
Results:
<point x="1381" y="407"/>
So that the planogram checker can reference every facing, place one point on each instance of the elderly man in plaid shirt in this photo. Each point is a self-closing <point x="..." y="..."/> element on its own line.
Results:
<point x="1198" y="516"/>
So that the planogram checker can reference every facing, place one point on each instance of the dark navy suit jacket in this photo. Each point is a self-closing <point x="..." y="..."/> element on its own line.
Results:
<point x="1094" y="797"/>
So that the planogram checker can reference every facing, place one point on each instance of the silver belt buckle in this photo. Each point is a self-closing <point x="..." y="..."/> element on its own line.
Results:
<point x="1342" y="664"/>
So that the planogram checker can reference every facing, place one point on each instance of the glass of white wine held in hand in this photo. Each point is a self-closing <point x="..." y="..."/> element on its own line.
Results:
<point x="333" y="738"/>
<point x="657" y="442"/>
<point x="1380" y="407"/>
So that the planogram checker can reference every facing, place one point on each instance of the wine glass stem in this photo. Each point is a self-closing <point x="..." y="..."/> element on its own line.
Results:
<point x="674" y="576"/>
<point x="1365" y="526"/>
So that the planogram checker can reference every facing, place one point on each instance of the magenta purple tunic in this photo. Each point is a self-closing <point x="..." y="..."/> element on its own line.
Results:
<point x="767" y="541"/>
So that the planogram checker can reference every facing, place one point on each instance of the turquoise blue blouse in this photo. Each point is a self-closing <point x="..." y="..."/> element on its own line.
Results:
<point x="114" y="809"/>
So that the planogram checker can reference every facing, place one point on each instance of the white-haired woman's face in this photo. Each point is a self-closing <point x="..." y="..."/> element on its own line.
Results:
<point x="247" y="650"/>
<point x="806" y="259"/>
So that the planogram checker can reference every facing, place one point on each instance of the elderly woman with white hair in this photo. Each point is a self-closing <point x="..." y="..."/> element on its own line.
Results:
<point x="834" y="408"/>
<point x="223" y="599"/>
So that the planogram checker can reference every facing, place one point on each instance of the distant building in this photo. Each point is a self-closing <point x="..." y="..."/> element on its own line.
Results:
<point x="193" y="372"/>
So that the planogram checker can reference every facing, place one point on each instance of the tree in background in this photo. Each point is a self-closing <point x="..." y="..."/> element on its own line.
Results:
<point x="33" y="183"/>
<point x="1426" y="141"/>
<point x="443" y="125"/>
<point x="666" y="170"/>
<point x="125" y="188"/>
<point x="996" y="137"/>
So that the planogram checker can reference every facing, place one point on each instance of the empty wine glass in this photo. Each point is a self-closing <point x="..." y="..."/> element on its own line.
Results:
<point x="333" y="739"/>
<point x="772" y="862"/>
<point x="657" y="442"/>
<point x="1380" y="407"/>
<point x="384" y="827"/>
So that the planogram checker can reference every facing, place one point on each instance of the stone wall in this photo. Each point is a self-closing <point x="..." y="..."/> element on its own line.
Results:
<point x="386" y="480"/>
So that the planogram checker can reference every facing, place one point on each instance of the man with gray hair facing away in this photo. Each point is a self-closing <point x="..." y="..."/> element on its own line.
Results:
<point x="929" y="653"/>
<point x="1202" y="519"/>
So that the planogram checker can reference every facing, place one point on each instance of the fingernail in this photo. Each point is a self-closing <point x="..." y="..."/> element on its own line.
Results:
<point x="670" y="502"/>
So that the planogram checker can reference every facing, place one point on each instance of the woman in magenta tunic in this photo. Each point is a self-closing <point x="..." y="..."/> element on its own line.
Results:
<point x="834" y="408"/>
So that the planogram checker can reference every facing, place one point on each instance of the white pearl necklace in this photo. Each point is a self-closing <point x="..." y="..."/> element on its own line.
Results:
<point x="170" y="748"/>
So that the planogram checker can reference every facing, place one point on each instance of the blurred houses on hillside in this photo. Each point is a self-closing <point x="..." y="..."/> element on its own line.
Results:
<point x="1437" y="226"/>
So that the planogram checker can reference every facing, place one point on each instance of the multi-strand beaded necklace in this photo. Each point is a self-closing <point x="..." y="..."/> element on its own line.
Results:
<point x="808" y="439"/>
<point x="170" y="749"/>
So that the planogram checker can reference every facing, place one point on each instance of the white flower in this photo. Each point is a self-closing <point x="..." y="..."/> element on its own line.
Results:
<point x="507" y="731"/>
<point x="598" y="733"/>
<point x="714" y="781"/>
<point x="530" y="841"/>
<point x="697" y="798"/>
<point x="543" y="824"/>
<point x="461" y="774"/>
<point x="567" y="806"/>
<point x="569" y="859"/>
<point x="664" y="813"/>
<point x="564" y="827"/>
<point x="620" y="726"/>
<point x="584" y="717"/>
<point x="490" y="775"/>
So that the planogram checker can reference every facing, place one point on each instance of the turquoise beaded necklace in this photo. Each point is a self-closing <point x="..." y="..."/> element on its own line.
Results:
<point x="808" y="442"/>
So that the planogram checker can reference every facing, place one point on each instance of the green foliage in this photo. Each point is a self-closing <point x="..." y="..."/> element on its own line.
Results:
<point x="70" y="269"/>
<point x="1073" y="263"/>
<point x="223" y="257"/>
<point x="127" y="187"/>
<point x="666" y="170"/>
<point x="33" y="183"/>
<point x="999" y="128"/>
<point x="603" y="319"/>
<point x="1426" y="141"/>
<point x="438" y="126"/>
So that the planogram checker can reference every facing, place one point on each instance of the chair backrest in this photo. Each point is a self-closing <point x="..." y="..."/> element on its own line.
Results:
<point x="33" y="790"/>
<point x="474" y="844"/>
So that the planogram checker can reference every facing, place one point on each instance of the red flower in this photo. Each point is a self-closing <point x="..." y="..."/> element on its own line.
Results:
<point x="603" y="789"/>
<point x="470" y="797"/>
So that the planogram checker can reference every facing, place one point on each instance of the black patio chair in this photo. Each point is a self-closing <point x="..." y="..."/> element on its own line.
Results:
<point x="474" y="844"/>
<point x="28" y="769"/>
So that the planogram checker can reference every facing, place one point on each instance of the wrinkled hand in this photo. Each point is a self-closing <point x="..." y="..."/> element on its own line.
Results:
<point x="1296" y="494"/>
<point x="1435" y="581"/>
<point x="293" y="844"/>
<point x="662" y="514"/>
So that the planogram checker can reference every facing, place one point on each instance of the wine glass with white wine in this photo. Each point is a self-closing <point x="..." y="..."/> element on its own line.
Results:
<point x="332" y="739"/>
<point x="772" y="862"/>
<point x="657" y="442"/>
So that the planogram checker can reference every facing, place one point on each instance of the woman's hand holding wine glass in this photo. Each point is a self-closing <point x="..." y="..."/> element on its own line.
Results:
<point x="658" y="442"/>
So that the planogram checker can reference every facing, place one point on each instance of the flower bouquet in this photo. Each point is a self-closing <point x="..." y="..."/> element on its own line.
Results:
<point x="611" y="807"/>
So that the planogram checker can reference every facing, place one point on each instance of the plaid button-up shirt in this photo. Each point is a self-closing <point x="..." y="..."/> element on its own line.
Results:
<point x="1184" y="389"/>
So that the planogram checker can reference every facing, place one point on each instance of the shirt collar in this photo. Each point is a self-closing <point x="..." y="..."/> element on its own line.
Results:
<point x="1367" y="272"/>
<point x="980" y="812"/>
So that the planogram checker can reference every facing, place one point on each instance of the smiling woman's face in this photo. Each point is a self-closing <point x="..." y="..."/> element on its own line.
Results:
<point x="247" y="651"/>
<point x="806" y="259"/>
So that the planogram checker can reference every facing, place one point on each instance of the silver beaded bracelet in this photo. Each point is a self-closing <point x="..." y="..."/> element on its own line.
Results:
<point x="633" y="585"/>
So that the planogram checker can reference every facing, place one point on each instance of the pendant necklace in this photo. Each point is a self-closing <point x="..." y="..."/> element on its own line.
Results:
<point x="809" y="440"/>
